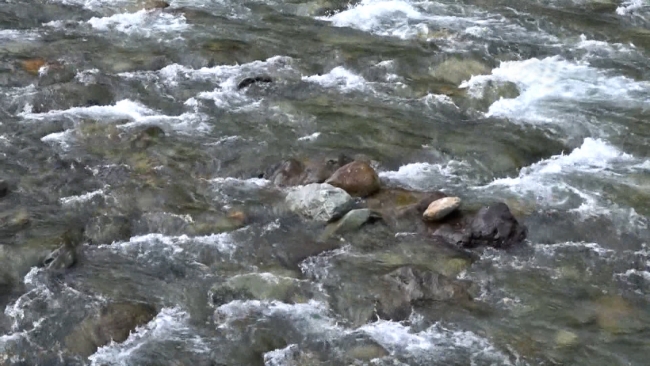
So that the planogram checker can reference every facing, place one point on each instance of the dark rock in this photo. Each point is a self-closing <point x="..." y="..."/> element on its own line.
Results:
<point x="318" y="171"/>
<point x="292" y="172"/>
<point x="4" y="188"/>
<point x="56" y="73"/>
<point x="113" y="323"/>
<point x="147" y="137"/>
<point x="495" y="226"/>
<point x="61" y="258"/>
<point x="250" y="81"/>
<point x="288" y="173"/>
<point x="357" y="178"/>
<point x="492" y="226"/>
<point x="108" y="229"/>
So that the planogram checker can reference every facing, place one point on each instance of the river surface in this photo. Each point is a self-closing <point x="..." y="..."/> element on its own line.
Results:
<point x="542" y="104"/>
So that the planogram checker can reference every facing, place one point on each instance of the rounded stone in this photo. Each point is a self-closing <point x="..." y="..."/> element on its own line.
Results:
<point x="440" y="208"/>
<point x="357" y="178"/>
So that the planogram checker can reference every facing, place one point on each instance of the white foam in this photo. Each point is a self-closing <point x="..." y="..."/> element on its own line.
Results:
<point x="593" y="156"/>
<point x="552" y="249"/>
<point x="546" y="179"/>
<point x="434" y="343"/>
<point x="59" y="138"/>
<point x="226" y="77"/>
<point x="339" y="77"/>
<point x="424" y="176"/>
<point x="141" y="23"/>
<point x="81" y="198"/>
<point x="245" y="184"/>
<point x="595" y="46"/>
<point x="137" y="113"/>
<point x="374" y="16"/>
<point x="310" y="138"/>
<point x="551" y="90"/>
<point x="311" y="318"/>
<point x="151" y="247"/>
<point x="629" y="6"/>
<point x="170" y="325"/>
<point x="14" y="34"/>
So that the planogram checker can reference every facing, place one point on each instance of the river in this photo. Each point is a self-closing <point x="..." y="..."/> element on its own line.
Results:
<point x="127" y="134"/>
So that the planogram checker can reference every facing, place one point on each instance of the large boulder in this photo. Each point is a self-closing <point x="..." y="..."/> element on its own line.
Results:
<point x="320" y="202"/>
<point x="492" y="226"/>
<point x="357" y="178"/>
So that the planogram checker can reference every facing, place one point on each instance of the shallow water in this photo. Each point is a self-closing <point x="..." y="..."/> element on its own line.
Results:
<point x="541" y="104"/>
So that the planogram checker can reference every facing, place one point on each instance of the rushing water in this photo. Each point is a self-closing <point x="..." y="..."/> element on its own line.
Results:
<point x="543" y="104"/>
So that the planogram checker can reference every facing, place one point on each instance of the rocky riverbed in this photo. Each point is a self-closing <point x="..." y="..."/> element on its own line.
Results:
<point x="294" y="183"/>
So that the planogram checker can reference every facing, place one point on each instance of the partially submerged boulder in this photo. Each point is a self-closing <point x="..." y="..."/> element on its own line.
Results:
<point x="320" y="202"/>
<point x="357" y="178"/>
<point x="492" y="226"/>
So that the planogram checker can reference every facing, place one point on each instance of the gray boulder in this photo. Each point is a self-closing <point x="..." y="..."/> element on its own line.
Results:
<point x="320" y="202"/>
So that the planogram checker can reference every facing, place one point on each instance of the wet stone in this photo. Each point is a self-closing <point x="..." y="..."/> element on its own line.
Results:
<point x="108" y="229"/>
<point x="147" y="137"/>
<point x="440" y="208"/>
<point x="4" y="188"/>
<point x="61" y="258"/>
<point x="492" y="226"/>
<point x="253" y="80"/>
<point x="320" y="202"/>
<point x="357" y="178"/>
<point x="113" y="323"/>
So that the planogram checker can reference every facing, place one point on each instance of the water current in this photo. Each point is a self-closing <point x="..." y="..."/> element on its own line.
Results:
<point x="126" y="134"/>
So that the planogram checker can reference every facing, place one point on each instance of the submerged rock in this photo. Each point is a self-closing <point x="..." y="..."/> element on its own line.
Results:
<point x="455" y="71"/>
<point x="292" y="172"/>
<point x="108" y="229"/>
<point x="409" y="285"/>
<point x="321" y="202"/>
<point x="113" y="323"/>
<point x="291" y="355"/>
<point x="492" y="226"/>
<point x="4" y="188"/>
<point x="261" y="286"/>
<point x="440" y="208"/>
<point x="147" y="137"/>
<point x="357" y="178"/>
<point x="250" y="81"/>
<point x="351" y="221"/>
<point x="63" y="257"/>
<point x="33" y="65"/>
<point x="565" y="338"/>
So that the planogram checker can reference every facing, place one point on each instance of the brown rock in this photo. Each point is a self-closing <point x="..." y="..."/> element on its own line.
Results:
<point x="357" y="178"/>
<point x="32" y="66"/>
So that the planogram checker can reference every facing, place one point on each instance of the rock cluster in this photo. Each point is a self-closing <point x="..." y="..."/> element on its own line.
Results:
<point x="346" y="193"/>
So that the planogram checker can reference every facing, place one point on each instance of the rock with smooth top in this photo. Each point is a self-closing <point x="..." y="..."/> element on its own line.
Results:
<point x="357" y="178"/>
<point x="441" y="208"/>
<point x="320" y="202"/>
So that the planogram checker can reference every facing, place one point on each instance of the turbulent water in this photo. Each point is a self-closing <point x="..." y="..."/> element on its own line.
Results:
<point x="542" y="104"/>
